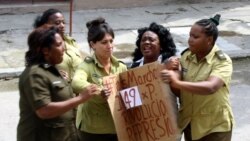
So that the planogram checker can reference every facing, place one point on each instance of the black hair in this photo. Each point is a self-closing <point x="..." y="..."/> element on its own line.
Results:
<point x="97" y="29"/>
<point x="210" y="26"/>
<point x="167" y="44"/>
<point x="42" y="37"/>
<point x="43" y="19"/>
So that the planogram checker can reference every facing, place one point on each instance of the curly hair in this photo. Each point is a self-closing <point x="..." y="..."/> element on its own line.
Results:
<point x="41" y="37"/>
<point x="167" y="44"/>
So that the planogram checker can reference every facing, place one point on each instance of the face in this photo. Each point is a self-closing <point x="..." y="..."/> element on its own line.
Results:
<point x="55" y="54"/>
<point x="198" y="41"/>
<point x="150" y="45"/>
<point x="104" y="47"/>
<point x="57" y="20"/>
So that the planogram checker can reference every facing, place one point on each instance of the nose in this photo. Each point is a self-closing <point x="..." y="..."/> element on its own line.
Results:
<point x="147" y="41"/>
<point x="62" y="25"/>
<point x="110" y="45"/>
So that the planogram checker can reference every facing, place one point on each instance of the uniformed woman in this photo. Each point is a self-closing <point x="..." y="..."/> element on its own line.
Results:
<point x="72" y="55"/>
<point x="47" y="102"/>
<point x="94" y="118"/>
<point x="205" y="112"/>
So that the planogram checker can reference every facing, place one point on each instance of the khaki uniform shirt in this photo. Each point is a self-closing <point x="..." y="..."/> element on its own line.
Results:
<point x="39" y="85"/>
<point x="206" y="113"/>
<point x="94" y="115"/>
<point x="72" y="57"/>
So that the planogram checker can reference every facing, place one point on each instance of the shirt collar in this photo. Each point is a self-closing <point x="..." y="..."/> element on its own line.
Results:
<point x="208" y="57"/>
<point x="159" y="59"/>
<point x="114" y="61"/>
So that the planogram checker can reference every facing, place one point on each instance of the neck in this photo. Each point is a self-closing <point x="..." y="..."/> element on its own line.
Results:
<point x="105" y="62"/>
<point x="203" y="54"/>
<point x="150" y="60"/>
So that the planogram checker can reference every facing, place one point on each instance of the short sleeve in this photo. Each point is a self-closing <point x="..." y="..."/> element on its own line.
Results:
<point x="223" y="69"/>
<point x="39" y="90"/>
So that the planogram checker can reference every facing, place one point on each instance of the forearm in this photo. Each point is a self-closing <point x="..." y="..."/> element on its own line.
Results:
<point x="202" y="88"/>
<point x="55" y="109"/>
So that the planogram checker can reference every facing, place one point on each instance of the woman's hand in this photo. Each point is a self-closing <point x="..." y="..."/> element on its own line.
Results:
<point x="89" y="91"/>
<point x="172" y="63"/>
<point x="64" y="74"/>
<point x="106" y="92"/>
<point x="170" y="77"/>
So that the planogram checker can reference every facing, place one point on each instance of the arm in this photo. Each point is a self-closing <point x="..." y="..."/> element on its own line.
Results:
<point x="79" y="81"/>
<point x="172" y="63"/>
<point x="54" y="109"/>
<point x="218" y="77"/>
<point x="209" y="86"/>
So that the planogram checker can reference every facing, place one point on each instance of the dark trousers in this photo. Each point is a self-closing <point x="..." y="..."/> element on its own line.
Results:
<point x="97" y="137"/>
<point x="216" y="136"/>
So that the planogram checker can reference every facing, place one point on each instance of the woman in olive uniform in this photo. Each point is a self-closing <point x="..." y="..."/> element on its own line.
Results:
<point x="94" y="118"/>
<point x="72" y="56"/>
<point x="47" y="102"/>
<point x="205" y="112"/>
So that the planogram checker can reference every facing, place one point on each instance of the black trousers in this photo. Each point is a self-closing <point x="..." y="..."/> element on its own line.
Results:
<point x="97" y="137"/>
<point x="216" y="136"/>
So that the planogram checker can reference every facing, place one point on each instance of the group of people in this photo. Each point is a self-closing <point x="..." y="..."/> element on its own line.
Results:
<point x="62" y="97"/>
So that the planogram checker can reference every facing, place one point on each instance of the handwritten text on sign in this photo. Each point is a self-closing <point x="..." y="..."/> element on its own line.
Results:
<point x="131" y="97"/>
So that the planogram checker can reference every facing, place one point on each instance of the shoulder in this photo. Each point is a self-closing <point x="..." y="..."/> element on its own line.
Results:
<point x="184" y="51"/>
<point x="135" y="64"/>
<point x="220" y="55"/>
<point x="89" y="60"/>
<point x="123" y="65"/>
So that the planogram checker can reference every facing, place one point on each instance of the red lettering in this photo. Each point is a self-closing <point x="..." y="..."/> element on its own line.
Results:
<point x="162" y="128"/>
<point x="151" y="90"/>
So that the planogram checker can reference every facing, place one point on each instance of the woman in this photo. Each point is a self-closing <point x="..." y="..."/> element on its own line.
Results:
<point x="72" y="56"/>
<point x="205" y="112"/>
<point x="154" y="43"/>
<point x="94" y="118"/>
<point x="47" y="102"/>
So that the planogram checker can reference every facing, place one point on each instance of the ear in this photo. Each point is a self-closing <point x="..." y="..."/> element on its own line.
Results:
<point x="91" y="43"/>
<point x="210" y="40"/>
<point x="45" y="51"/>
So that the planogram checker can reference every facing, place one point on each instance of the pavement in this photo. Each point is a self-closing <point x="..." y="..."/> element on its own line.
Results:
<point x="234" y="38"/>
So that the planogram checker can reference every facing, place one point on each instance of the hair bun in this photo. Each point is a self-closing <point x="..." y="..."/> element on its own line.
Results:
<point x="216" y="19"/>
<point x="95" y="22"/>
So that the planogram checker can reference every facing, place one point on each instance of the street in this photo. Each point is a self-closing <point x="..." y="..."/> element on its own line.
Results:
<point x="240" y="97"/>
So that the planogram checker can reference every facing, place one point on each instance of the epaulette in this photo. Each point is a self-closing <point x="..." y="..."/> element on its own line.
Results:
<point x="121" y="62"/>
<point x="184" y="51"/>
<point x="220" y="55"/>
<point x="88" y="59"/>
<point x="45" y="65"/>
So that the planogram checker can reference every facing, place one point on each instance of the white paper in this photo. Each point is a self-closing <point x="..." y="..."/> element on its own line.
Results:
<point x="131" y="97"/>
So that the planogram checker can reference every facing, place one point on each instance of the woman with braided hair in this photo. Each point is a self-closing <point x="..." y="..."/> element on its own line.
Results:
<point x="205" y="113"/>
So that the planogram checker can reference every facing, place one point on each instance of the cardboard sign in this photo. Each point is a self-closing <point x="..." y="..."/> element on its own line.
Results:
<point x="154" y="120"/>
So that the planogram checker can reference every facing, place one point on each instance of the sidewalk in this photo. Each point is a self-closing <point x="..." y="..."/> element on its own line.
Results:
<point x="234" y="38"/>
